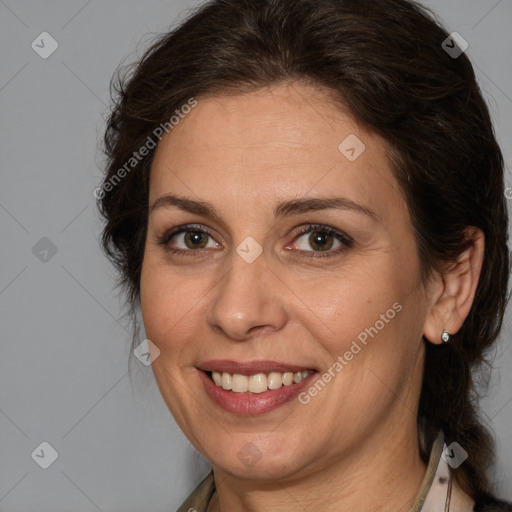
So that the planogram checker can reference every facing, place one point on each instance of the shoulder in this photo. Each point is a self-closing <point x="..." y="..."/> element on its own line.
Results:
<point x="200" y="497"/>
<point x="486" y="503"/>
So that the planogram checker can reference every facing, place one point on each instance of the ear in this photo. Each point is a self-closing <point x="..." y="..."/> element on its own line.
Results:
<point x="453" y="291"/>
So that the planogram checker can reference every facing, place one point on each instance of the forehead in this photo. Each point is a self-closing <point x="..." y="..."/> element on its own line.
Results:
<point x="287" y="141"/>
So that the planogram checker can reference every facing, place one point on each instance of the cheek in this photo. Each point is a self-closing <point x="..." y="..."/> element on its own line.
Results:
<point x="169" y="304"/>
<point x="369" y="326"/>
<point x="347" y="302"/>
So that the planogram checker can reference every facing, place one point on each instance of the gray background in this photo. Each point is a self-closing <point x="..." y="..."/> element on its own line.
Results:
<point x="65" y="344"/>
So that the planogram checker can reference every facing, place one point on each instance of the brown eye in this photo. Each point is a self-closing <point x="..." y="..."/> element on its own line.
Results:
<point x="320" y="240"/>
<point x="196" y="239"/>
<point x="188" y="239"/>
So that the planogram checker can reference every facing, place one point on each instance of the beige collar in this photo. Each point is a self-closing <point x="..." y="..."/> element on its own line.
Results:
<point x="439" y="491"/>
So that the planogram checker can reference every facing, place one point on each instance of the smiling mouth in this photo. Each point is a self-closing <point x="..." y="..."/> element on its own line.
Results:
<point x="257" y="383"/>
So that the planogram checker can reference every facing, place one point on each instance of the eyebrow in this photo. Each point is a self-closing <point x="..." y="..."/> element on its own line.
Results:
<point x="292" y="206"/>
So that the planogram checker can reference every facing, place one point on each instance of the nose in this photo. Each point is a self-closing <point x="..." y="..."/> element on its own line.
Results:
<point x="248" y="301"/>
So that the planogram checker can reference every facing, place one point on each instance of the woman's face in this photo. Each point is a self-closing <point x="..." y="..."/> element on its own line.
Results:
<point x="250" y="293"/>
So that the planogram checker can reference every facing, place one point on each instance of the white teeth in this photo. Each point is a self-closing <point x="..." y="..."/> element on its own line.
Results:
<point x="240" y="383"/>
<point x="275" y="380"/>
<point x="226" y="381"/>
<point x="287" y="379"/>
<point x="259" y="382"/>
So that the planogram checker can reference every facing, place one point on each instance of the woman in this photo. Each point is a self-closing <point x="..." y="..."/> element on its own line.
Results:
<point x="306" y="199"/>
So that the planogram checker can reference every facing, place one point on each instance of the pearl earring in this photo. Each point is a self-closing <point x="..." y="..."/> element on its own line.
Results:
<point x="446" y="337"/>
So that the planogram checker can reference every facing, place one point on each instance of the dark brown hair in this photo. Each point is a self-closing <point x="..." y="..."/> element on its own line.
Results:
<point x="385" y="62"/>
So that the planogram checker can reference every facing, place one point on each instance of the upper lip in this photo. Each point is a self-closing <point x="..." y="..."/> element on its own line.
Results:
<point x="249" y="367"/>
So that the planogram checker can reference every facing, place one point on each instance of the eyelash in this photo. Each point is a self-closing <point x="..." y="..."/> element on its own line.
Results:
<point x="340" y="236"/>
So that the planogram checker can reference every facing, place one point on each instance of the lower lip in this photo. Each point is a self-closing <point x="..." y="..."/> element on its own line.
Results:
<point x="252" y="403"/>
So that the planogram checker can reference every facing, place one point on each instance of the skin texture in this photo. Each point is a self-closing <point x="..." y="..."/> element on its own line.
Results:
<point x="244" y="154"/>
